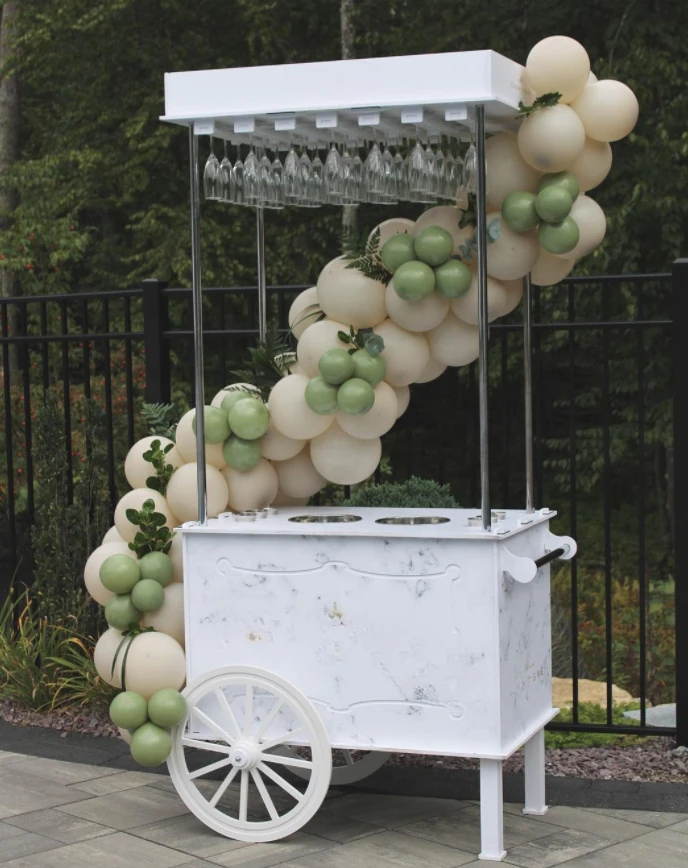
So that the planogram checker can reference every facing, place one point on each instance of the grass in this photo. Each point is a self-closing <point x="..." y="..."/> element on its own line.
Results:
<point x="591" y="713"/>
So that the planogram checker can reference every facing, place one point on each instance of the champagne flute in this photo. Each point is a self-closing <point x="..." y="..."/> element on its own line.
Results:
<point x="333" y="176"/>
<point x="212" y="187"/>
<point x="226" y="192"/>
<point x="238" y="179"/>
<point x="277" y="189"/>
<point x="291" y="177"/>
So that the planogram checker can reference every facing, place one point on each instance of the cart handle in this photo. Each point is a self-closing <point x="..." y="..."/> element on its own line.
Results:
<point x="524" y="570"/>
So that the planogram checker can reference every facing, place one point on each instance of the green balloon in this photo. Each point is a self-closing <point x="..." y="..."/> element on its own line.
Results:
<point x="129" y="710"/>
<point x="241" y="454"/>
<point x="157" y="566"/>
<point x="433" y="245"/>
<point x="216" y="425"/>
<point x="372" y="369"/>
<point x="150" y="745"/>
<point x="249" y="418"/>
<point x="553" y="203"/>
<point x="567" y="180"/>
<point x="519" y="213"/>
<point x="396" y="251"/>
<point x="232" y="396"/>
<point x="336" y="366"/>
<point x="355" y="397"/>
<point x="167" y="708"/>
<point x="559" y="237"/>
<point x="414" y="280"/>
<point x="321" y="396"/>
<point x="453" y="279"/>
<point x="148" y="595"/>
<point x="120" y="611"/>
<point x="119" y="573"/>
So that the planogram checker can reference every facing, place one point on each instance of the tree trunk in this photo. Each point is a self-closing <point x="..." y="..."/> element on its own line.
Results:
<point x="9" y="123"/>
<point x="346" y="24"/>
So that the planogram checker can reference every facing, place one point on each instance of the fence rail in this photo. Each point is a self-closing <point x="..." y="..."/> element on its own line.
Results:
<point x="605" y="403"/>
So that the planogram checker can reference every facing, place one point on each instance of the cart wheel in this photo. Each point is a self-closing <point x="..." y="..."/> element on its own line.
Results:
<point x="348" y="766"/>
<point x="243" y="714"/>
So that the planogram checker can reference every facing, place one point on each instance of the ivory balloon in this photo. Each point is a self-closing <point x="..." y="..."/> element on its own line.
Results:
<point x="298" y="318"/>
<point x="343" y="459"/>
<point x="446" y="217"/>
<point x="137" y="470"/>
<point x="222" y="394"/>
<point x="347" y="295"/>
<point x="592" y="225"/>
<point x="277" y="446"/>
<point x="592" y="165"/>
<point x="466" y="307"/>
<point x="182" y="492"/>
<point x="416" y="316"/>
<point x="406" y="353"/>
<point x="135" y="500"/>
<point x="513" y="254"/>
<point x="403" y="394"/>
<point x="316" y="340"/>
<point x="558" y="64"/>
<point x="514" y="294"/>
<point x="125" y="734"/>
<point x="298" y="477"/>
<point x="186" y="443"/>
<point x="104" y="655"/>
<point x="506" y="171"/>
<point x="169" y="618"/>
<point x="112" y="536"/>
<point x="433" y="370"/>
<point x="176" y="556"/>
<point x="289" y="411"/>
<point x="251" y="489"/>
<point x="608" y="110"/>
<point x="155" y="661"/>
<point x="550" y="269"/>
<point x="378" y="420"/>
<point x="454" y="342"/>
<point x="592" y="78"/>
<point x="95" y="561"/>
<point x="551" y="138"/>
<point x="283" y="499"/>
<point x="388" y="228"/>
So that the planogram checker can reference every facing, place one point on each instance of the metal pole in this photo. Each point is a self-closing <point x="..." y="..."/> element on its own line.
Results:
<point x="528" y="386"/>
<point x="197" y="300"/>
<point x="262" y="287"/>
<point x="481" y="215"/>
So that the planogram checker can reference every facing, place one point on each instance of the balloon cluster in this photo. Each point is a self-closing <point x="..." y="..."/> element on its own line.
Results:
<point x="145" y="723"/>
<point x="424" y="264"/>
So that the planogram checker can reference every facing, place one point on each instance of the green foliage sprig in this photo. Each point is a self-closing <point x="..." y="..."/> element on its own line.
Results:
<point x="547" y="100"/>
<point x="494" y="231"/>
<point x="161" y="419"/>
<point x="163" y="471"/>
<point x="152" y="535"/>
<point x="268" y="363"/>
<point x="366" y="259"/>
<point x="363" y="339"/>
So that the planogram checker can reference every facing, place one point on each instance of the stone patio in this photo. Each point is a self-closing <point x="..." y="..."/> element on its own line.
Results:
<point x="57" y="814"/>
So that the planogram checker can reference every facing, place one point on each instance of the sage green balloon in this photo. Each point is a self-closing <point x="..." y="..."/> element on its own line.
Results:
<point x="241" y="454"/>
<point x="336" y="366"/>
<point x="559" y="237"/>
<point x="567" y="180"/>
<point x="321" y="396"/>
<point x="120" y="611"/>
<point x="119" y="573"/>
<point x="453" y="279"/>
<point x="157" y="566"/>
<point x="167" y="708"/>
<point x="232" y="396"/>
<point x="148" y="595"/>
<point x="216" y="425"/>
<point x="553" y="204"/>
<point x="519" y="212"/>
<point x="433" y="245"/>
<point x="249" y="418"/>
<point x="396" y="251"/>
<point x="355" y="397"/>
<point x="150" y="745"/>
<point x="372" y="369"/>
<point x="414" y="280"/>
<point x="129" y="710"/>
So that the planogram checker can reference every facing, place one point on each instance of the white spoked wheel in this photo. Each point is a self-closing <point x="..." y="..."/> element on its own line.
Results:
<point x="244" y="715"/>
<point x="348" y="766"/>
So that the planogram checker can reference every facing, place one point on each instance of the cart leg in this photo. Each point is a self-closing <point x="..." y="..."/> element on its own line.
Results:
<point x="535" y="775"/>
<point x="491" y="811"/>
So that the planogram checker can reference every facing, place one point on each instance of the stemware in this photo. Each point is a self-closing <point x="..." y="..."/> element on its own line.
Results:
<point x="225" y="180"/>
<point x="277" y="188"/>
<point x="292" y="178"/>
<point x="306" y="179"/>
<point x="334" y="180"/>
<point x="401" y="176"/>
<point x="251" y="179"/>
<point x="470" y="167"/>
<point x="374" y="175"/>
<point x="390" y="193"/>
<point x="357" y="177"/>
<point x="212" y="186"/>
<point x="317" y="192"/>
<point x="238" y="179"/>
<point x="417" y="173"/>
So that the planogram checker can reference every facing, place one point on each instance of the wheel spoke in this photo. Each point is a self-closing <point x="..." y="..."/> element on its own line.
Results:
<point x="282" y="739"/>
<point x="209" y="722"/>
<point x="348" y="758"/>
<point x="286" y="760"/>
<point x="220" y="764"/>
<point x="248" y="710"/>
<point x="243" y="797"/>
<point x="205" y="745"/>
<point x="223" y="786"/>
<point x="265" y="795"/>
<point x="278" y="779"/>
<point x="276" y="708"/>
<point x="227" y="708"/>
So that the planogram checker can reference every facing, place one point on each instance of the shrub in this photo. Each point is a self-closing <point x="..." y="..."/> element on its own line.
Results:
<point x="589" y="712"/>
<point x="414" y="493"/>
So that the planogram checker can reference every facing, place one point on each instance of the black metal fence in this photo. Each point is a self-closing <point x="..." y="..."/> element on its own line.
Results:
<point x="609" y="421"/>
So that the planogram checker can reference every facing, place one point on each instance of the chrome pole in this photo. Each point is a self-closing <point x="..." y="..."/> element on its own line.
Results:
<point x="528" y="386"/>
<point x="481" y="215"/>
<point x="197" y="303"/>
<point x="262" y="286"/>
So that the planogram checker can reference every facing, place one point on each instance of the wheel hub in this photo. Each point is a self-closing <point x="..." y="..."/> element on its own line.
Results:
<point x="245" y="755"/>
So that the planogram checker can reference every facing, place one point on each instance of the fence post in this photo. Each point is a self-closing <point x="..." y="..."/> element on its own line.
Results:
<point x="679" y="291"/>
<point x="157" y="352"/>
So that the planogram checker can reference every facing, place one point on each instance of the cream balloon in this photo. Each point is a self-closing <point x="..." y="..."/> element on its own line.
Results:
<point x="287" y="362"/>
<point x="454" y="342"/>
<point x="137" y="470"/>
<point x="592" y="78"/>
<point x="289" y="411"/>
<point x="135" y="500"/>
<point x="550" y="269"/>
<point x="558" y="64"/>
<point x="169" y="618"/>
<point x="298" y="477"/>
<point x="283" y="499"/>
<point x="104" y="657"/>
<point x="182" y="492"/>
<point x="394" y="226"/>
<point x="125" y="735"/>
<point x="592" y="165"/>
<point x="551" y="138"/>
<point x="608" y="110"/>
<point x="343" y="459"/>
<point x="176" y="554"/>
<point x="186" y="443"/>
<point x="316" y="340"/>
<point x="513" y="254"/>
<point x="277" y="446"/>
<point x="514" y="294"/>
<point x="155" y="661"/>
<point x="446" y="217"/>
<point x="299" y="318"/>
<point x="466" y="307"/>
<point x="403" y="394"/>
<point x="95" y="561"/>
<point x="251" y="489"/>
<point x="506" y="171"/>
<point x="433" y="370"/>
<point x="406" y="353"/>
<point x="377" y="421"/>
<point x="592" y="225"/>
<point x="222" y="394"/>
<point x="416" y="316"/>
<point x="347" y="295"/>
<point x="112" y="536"/>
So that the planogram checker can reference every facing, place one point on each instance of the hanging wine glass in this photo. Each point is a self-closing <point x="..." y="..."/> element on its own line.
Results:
<point x="317" y="191"/>
<point x="389" y="193"/>
<point x="417" y="173"/>
<point x="292" y="186"/>
<point x="374" y="175"/>
<point x="251" y="180"/>
<point x="266" y="197"/>
<point x="305" y="179"/>
<point x="470" y="167"/>
<point x="277" y="188"/>
<point x="357" y="176"/>
<point x="401" y="176"/>
<point x="349" y="186"/>
<point x="238" y="179"/>
<point x="212" y="187"/>
<point x="453" y="172"/>
<point x="439" y="168"/>
<point x="432" y="181"/>
<point x="226" y="177"/>
<point x="333" y="176"/>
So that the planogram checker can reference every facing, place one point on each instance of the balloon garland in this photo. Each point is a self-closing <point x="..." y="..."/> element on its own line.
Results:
<point x="398" y="312"/>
